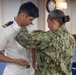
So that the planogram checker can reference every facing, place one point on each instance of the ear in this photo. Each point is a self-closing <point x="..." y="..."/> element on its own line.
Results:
<point x="23" y="15"/>
<point x="54" y="21"/>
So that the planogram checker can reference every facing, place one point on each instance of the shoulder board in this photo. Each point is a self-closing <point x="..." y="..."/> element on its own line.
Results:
<point x="7" y="24"/>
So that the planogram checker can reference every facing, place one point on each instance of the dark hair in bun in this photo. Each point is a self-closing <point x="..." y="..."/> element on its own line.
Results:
<point x="59" y="16"/>
<point x="65" y="19"/>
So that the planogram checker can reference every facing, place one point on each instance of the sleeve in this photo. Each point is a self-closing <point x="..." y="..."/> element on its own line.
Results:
<point x="3" y="40"/>
<point x="37" y="41"/>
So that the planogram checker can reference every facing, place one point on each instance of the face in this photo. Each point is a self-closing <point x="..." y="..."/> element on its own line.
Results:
<point x="26" y="20"/>
<point x="52" y="24"/>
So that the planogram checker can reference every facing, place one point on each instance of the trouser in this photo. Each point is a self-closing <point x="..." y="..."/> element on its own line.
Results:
<point x="73" y="72"/>
<point x="74" y="68"/>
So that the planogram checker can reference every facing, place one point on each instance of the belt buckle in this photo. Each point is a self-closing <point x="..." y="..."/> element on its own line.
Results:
<point x="27" y="66"/>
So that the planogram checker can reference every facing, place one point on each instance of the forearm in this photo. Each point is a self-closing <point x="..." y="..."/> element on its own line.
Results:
<point x="29" y="41"/>
<point x="6" y="59"/>
<point x="34" y="59"/>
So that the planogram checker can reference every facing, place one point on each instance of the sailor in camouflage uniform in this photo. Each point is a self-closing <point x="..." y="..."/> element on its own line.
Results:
<point x="55" y="48"/>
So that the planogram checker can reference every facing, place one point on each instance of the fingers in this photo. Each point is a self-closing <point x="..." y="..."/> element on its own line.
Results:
<point x="21" y="62"/>
<point x="34" y="31"/>
<point x="24" y="62"/>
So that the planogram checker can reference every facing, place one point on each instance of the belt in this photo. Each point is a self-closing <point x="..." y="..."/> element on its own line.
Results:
<point x="27" y="66"/>
<point x="74" y="64"/>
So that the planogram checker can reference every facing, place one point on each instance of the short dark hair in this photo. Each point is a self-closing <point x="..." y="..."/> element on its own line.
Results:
<point x="59" y="16"/>
<point x="30" y="9"/>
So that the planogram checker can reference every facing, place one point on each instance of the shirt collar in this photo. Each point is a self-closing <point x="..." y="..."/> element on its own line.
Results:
<point x="15" y="25"/>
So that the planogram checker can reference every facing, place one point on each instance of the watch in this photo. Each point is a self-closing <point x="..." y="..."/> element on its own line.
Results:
<point x="50" y="5"/>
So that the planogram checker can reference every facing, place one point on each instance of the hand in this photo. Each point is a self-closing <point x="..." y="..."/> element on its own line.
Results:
<point x="21" y="62"/>
<point x="34" y="31"/>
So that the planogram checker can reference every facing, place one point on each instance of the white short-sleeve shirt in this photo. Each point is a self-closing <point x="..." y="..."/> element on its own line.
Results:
<point x="15" y="51"/>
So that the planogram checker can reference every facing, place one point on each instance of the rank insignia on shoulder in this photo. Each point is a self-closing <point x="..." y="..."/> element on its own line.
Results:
<point x="7" y="24"/>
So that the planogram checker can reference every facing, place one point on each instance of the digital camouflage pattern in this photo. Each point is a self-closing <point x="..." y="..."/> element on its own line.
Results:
<point x="55" y="50"/>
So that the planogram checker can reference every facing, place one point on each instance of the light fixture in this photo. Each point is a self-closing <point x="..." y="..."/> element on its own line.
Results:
<point x="63" y="5"/>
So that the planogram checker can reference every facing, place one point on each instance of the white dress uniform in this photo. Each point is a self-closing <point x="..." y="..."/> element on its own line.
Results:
<point x="15" y="51"/>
